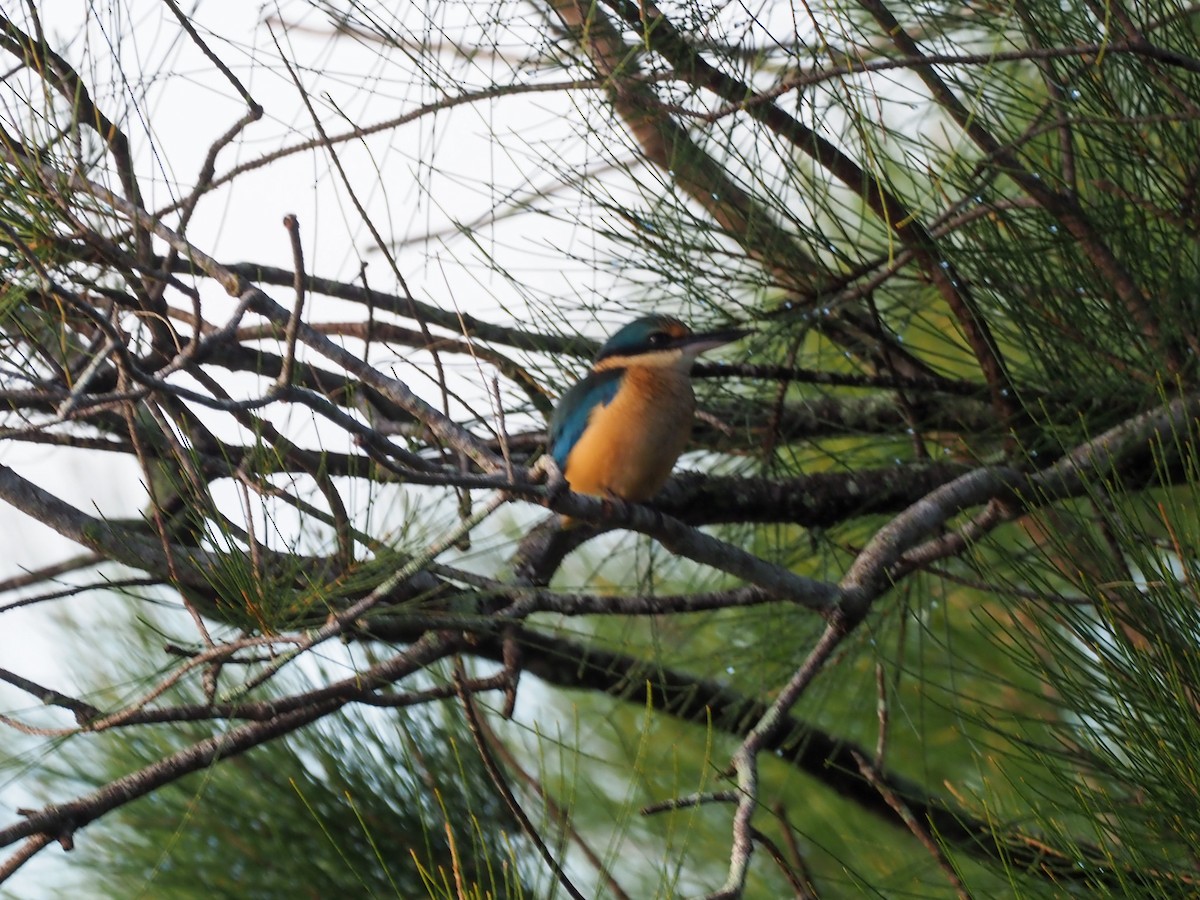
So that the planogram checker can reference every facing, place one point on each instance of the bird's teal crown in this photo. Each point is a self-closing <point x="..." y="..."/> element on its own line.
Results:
<point x="645" y="335"/>
<point x="661" y="338"/>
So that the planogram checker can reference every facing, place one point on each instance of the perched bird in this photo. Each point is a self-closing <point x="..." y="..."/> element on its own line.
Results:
<point x="619" y="431"/>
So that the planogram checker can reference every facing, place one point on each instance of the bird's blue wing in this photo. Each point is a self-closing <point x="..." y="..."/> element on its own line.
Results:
<point x="575" y="407"/>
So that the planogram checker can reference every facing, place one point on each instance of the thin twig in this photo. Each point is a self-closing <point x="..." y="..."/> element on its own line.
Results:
<point x="802" y="890"/>
<point x="506" y="794"/>
<point x="83" y="712"/>
<point x="797" y="858"/>
<point x="881" y="711"/>
<point x="46" y="573"/>
<point x="698" y="799"/>
<point x="292" y="224"/>
<point x="745" y="760"/>
<point x="920" y="832"/>
<point x="561" y="815"/>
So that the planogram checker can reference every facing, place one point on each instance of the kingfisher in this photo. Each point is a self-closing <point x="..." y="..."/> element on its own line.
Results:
<point x="618" y="431"/>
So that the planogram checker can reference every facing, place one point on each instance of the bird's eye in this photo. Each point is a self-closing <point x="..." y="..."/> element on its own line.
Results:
<point x="659" y="339"/>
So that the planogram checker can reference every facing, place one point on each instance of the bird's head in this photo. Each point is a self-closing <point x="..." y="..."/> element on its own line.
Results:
<point x="660" y="341"/>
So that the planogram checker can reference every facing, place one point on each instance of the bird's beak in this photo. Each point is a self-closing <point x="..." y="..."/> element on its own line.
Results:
<point x="695" y="344"/>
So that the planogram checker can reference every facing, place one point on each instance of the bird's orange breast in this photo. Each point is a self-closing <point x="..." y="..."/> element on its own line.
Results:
<point x="631" y="445"/>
